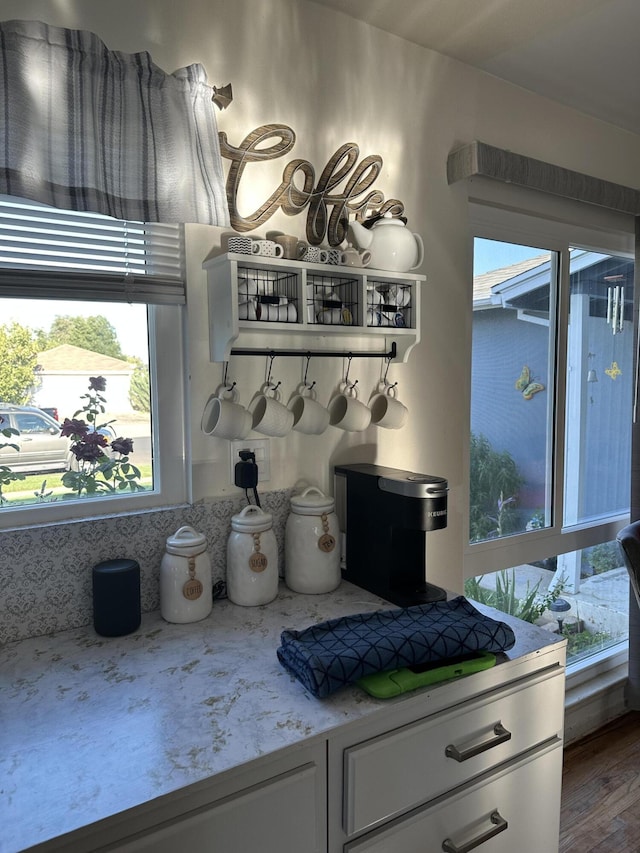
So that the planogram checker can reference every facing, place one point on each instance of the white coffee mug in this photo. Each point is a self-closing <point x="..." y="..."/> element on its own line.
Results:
<point x="267" y="248"/>
<point x="330" y="316"/>
<point x="309" y="416"/>
<point x="270" y="416"/>
<point x="398" y="295"/>
<point x="386" y="410"/>
<point x="248" y="310"/>
<point x="283" y="313"/>
<point x="347" y="412"/>
<point x="248" y="287"/>
<point x="374" y="297"/>
<point x="386" y="318"/>
<point x="224" y="417"/>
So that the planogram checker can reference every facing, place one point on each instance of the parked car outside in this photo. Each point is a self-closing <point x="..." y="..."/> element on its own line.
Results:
<point x="41" y="445"/>
<point x="52" y="411"/>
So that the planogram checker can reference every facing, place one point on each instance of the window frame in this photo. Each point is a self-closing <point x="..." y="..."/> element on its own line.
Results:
<point x="140" y="262"/>
<point x="171" y="468"/>
<point x="553" y="226"/>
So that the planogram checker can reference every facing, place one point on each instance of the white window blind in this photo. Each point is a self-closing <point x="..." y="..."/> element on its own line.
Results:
<point x="48" y="253"/>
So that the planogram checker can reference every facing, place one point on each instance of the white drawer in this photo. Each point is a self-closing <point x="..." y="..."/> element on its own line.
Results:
<point x="279" y="814"/>
<point x="395" y="772"/>
<point x="516" y="809"/>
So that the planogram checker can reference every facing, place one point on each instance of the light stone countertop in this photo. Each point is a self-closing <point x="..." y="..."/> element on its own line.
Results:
<point x="163" y="708"/>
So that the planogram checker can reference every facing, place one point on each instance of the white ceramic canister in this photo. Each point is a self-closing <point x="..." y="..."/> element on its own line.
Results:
<point x="185" y="577"/>
<point x="311" y="544"/>
<point x="252" y="558"/>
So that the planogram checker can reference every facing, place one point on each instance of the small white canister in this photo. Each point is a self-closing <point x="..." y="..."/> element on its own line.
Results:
<point x="311" y="544"/>
<point x="252" y="558"/>
<point x="185" y="577"/>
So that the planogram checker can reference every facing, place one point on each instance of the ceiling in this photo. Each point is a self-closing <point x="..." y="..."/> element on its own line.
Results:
<point x="582" y="53"/>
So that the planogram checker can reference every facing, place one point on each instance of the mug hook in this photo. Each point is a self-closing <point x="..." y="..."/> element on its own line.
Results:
<point x="306" y="371"/>
<point x="225" y="381"/>
<point x="349" y="360"/>
<point x="388" y="360"/>
<point x="271" y="357"/>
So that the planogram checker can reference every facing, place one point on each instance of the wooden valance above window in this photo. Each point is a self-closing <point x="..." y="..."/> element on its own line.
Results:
<point x="481" y="160"/>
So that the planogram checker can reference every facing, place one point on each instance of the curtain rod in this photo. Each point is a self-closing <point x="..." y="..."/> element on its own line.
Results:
<point x="277" y="353"/>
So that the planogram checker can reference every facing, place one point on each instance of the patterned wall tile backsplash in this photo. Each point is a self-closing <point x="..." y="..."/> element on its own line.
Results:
<point x="45" y="572"/>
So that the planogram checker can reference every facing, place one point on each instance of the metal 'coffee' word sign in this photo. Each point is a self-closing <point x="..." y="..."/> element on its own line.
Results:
<point x="318" y="196"/>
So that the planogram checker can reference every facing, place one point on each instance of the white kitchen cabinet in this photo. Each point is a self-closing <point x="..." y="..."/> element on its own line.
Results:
<point x="416" y="763"/>
<point x="204" y="744"/>
<point x="475" y="763"/>
<point x="515" y="808"/>
<point x="265" y="303"/>
<point x="279" y="815"/>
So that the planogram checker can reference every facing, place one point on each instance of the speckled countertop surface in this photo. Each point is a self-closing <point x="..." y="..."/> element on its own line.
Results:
<point x="174" y="704"/>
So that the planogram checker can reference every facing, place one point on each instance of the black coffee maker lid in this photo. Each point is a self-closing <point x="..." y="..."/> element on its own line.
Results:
<point x="396" y="481"/>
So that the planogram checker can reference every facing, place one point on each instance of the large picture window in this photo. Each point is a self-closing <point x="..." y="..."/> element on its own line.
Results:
<point x="550" y="431"/>
<point x="83" y="301"/>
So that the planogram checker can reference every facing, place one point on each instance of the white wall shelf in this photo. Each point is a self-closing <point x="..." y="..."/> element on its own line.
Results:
<point x="259" y="304"/>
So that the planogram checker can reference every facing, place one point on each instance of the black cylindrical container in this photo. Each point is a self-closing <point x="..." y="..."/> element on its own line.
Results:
<point x="116" y="597"/>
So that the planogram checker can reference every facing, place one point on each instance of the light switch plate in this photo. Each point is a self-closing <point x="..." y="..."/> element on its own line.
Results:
<point x="257" y="446"/>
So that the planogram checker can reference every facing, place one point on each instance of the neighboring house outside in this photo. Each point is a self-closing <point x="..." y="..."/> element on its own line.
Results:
<point x="510" y="330"/>
<point x="62" y="377"/>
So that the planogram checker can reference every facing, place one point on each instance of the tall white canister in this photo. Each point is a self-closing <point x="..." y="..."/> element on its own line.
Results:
<point x="185" y="577"/>
<point x="311" y="544"/>
<point x="252" y="558"/>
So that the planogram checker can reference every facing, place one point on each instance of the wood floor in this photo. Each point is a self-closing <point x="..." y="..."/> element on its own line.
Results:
<point x="601" y="790"/>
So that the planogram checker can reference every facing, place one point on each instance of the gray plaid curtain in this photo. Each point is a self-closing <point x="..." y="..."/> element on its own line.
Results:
<point x="91" y="129"/>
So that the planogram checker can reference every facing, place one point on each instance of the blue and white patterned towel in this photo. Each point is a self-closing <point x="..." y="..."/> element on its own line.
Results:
<point x="332" y="654"/>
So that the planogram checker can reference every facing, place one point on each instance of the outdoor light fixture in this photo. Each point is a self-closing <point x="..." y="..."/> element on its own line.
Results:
<point x="560" y="607"/>
<point x="592" y="376"/>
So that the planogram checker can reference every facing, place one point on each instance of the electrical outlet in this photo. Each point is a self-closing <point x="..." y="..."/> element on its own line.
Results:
<point x="258" y="446"/>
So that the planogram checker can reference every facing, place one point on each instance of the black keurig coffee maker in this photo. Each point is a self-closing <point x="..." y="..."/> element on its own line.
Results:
<point x="385" y="514"/>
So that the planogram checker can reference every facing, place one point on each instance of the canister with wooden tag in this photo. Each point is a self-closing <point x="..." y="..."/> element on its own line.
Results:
<point x="185" y="577"/>
<point x="252" y="558"/>
<point x="311" y="544"/>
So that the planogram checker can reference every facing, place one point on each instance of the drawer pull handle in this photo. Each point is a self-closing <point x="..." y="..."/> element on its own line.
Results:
<point x="499" y="825"/>
<point x="501" y="736"/>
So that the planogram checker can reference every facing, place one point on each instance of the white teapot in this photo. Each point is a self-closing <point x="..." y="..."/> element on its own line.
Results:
<point x="391" y="244"/>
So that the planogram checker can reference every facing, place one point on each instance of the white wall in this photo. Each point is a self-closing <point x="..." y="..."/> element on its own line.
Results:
<point x="334" y="80"/>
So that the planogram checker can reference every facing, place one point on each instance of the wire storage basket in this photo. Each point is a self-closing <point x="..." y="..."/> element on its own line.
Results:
<point x="389" y="305"/>
<point x="332" y="300"/>
<point x="267" y="295"/>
